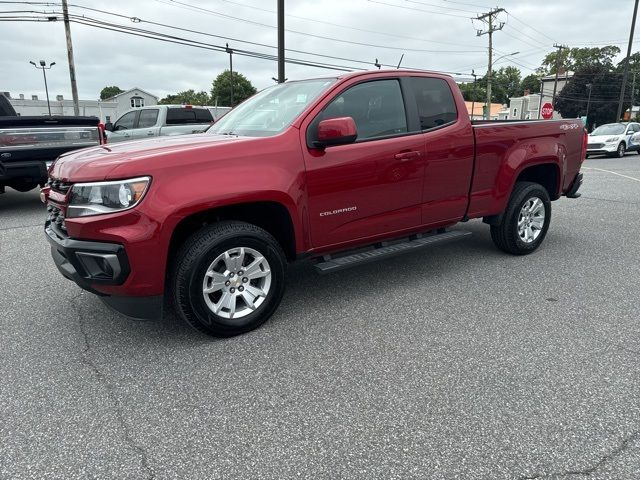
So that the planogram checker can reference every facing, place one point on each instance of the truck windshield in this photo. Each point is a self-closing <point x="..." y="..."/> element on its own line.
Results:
<point x="272" y="110"/>
<point x="609" y="129"/>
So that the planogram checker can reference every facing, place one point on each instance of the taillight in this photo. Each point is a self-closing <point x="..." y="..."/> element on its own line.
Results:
<point x="103" y="133"/>
<point x="585" y="142"/>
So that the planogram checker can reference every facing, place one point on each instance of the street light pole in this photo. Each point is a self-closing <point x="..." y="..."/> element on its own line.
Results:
<point x="43" y="67"/>
<point x="589" y="86"/>
<point x="473" y="97"/>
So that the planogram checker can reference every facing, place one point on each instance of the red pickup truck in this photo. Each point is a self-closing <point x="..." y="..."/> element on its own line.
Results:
<point x="342" y="170"/>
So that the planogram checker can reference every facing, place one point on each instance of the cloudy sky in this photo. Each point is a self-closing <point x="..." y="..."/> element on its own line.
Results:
<point x="432" y="34"/>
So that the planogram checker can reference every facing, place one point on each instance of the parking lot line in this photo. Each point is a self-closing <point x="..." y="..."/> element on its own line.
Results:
<point x="614" y="173"/>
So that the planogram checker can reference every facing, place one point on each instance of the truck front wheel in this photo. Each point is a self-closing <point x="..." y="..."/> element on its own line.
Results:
<point x="228" y="278"/>
<point x="525" y="221"/>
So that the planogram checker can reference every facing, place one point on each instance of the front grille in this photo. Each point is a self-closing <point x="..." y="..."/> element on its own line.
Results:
<point x="59" y="186"/>
<point x="55" y="217"/>
<point x="595" y="146"/>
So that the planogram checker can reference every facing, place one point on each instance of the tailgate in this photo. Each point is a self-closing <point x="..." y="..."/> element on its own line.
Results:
<point x="44" y="143"/>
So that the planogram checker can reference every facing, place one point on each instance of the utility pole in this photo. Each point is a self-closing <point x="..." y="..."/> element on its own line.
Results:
<point x="589" y="86"/>
<point x="230" y="52"/>
<point x="555" y="83"/>
<point x="281" y="78"/>
<point x="489" y="18"/>
<point x="473" y="97"/>
<point x="633" y="94"/>
<point x="541" y="93"/>
<point x="72" y="66"/>
<point x="626" y="61"/>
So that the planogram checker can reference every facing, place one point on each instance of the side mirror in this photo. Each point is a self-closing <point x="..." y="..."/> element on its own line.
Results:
<point x="108" y="126"/>
<point x="336" y="131"/>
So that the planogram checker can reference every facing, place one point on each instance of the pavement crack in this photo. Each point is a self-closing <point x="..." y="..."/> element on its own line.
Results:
<point x="102" y="378"/>
<point x="586" y="472"/>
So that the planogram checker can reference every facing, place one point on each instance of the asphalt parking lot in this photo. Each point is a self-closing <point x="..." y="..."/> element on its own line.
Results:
<point x="459" y="362"/>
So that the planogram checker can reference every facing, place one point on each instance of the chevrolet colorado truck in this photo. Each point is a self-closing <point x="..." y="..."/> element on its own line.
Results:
<point x="341" y="170"/>
<point x="29" y="145"/>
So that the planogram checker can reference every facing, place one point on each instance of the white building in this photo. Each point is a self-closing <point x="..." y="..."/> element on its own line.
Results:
<point x="108" y="110"/>
<point x="528" y="106"/>
<point x="134" y="98"/>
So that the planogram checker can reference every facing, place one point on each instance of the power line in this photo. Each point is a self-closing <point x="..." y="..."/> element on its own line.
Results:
<point x="139" y="20"/>
<point x="417" y="9"/>
<point x="324" y="22"/>
<point x="530" y="26"/>
<point x="136" y="31"/>
<point x="179" y="4"/>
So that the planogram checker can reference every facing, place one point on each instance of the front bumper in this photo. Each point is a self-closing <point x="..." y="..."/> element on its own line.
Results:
<point x="601" y="148"/>
<point x="90" y="264"/>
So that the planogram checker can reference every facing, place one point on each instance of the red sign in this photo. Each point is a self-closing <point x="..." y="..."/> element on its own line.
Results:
<point x="547" y="111"/>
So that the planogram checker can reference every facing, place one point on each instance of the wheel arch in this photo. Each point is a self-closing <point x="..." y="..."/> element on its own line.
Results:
<point x="546" y="174"/>
<point x="272" y="216"/>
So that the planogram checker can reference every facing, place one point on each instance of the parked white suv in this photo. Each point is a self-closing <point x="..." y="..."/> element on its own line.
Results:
<point x="157" y="120"/>
<point x="614" y="139"/>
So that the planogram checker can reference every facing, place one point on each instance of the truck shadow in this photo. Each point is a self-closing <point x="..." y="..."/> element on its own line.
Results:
<point x="307" y="293"/>
<point x="17" y="202"/>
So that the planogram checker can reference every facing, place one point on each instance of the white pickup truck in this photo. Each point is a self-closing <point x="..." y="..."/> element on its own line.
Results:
<point x="157" y="120"/>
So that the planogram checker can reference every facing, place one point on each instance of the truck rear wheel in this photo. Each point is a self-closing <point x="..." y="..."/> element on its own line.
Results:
<point x="526" y="220"/>
<point x="228" y="278"/>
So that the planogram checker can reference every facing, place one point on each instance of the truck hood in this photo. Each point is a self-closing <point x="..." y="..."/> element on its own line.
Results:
<point x="120" y="160"/>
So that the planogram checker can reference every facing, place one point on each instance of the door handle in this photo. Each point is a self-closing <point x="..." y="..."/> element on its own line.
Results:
<point x="150" y="133"/>
<point x="403" y="156"/>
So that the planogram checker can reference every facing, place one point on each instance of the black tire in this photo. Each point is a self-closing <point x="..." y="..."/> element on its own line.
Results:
<point x="622" y="148"/>
<point x="586" y="156"/>
<point x="23" y="186"/>
<point x="505" y="236"/>
<point x="194" y="258"/>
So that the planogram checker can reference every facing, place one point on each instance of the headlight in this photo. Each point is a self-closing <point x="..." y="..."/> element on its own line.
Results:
<point x="98" y="198"/>
<point x="612" y="139"/>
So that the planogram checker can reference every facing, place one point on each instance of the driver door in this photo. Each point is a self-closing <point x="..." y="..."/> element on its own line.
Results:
<point x="372" y="187"/>
<point x="123" y="126"/>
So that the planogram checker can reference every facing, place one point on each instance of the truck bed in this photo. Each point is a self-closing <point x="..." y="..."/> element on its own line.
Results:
<point x="505" y="146"/>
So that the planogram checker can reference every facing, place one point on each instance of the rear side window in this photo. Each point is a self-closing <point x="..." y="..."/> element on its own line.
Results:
<point x="203" y="115"/>
<point x="181" y="116"/>
<point x="436" y="105"/>
<point x="376" y="107"/>
<point x="148" y="118"/>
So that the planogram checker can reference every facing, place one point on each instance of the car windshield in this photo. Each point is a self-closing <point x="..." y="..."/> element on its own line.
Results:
<point x="272" y="110"/>
<point x="609" y="129"/>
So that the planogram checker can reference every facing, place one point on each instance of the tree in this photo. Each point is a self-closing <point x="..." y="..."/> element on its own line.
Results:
<point x="574" y="59"/>
<point x="471" y="92"/>
<point x="605" y="90"/>
<point x="108" y="92"/>
<point x="531" y="83"/>
<point x="221" y="91"/>
<point x="188" y="97"/>
<point x="505" y="84"/>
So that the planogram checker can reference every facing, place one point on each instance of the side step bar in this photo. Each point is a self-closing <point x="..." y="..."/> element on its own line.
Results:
<point x="333" y="264"/>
